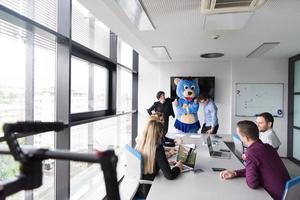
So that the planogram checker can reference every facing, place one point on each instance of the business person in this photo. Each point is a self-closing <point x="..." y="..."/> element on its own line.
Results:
<point x="264" y="168"/>
<point x="168" y="143"/>
<point x="164" y="106"/>
<point x="267" y="135"/>
<point x="154" y="157"/>
<point x="211" y="124"/>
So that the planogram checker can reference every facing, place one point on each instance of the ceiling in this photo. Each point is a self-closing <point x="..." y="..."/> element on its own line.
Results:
<point x="179" y="27"/>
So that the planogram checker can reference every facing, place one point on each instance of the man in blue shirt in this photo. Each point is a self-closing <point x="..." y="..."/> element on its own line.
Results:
<point x="211" y="123"/>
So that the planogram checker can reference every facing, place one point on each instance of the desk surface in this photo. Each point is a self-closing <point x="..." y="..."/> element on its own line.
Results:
<point x="206" y="184"/>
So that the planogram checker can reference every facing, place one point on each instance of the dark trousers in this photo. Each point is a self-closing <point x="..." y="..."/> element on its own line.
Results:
<point x="165" y="125"/>
<point x="206" y="128"/>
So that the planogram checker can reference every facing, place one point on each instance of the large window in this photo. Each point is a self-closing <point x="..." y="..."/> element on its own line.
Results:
<point x="50" y="76"/>
<point x="89" y="86"/>
<point x="294" y="111"/>
<point x="124" y="53"/>
<point x="12" y="73"/>
<point x="41" y="11"/>
<point x="124" y="90"/>
<point x="88" y="30"/>
<point x="87" y="179"/>
<point x="27" y="91"/>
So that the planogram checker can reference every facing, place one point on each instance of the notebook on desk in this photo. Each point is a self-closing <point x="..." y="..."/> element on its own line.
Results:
<point x="187" y="154"/>
<point x="216" y="154"/>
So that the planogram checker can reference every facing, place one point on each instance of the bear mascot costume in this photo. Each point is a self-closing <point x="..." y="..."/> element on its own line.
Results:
<point x="187" y="106"/>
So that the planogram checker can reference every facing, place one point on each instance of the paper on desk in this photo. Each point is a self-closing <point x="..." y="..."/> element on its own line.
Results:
<point x="193" y="146"/>
<point x="195" y="136"/>
<point x="178" y="135"/>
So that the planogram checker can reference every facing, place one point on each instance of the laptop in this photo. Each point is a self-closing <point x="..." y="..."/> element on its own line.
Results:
<point x="216" y="154"/>
<point x="187" y="154"/>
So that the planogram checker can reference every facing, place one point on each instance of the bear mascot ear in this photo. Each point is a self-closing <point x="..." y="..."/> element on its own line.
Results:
<point x="176" y="81"/>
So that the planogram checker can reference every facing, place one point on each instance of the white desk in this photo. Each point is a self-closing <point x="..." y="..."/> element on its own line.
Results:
<point x="207" y="184"/>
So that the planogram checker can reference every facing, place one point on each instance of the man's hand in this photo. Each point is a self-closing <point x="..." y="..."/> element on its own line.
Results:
<point x="210" y="131"/>
<point x="227" y="174"/>
<point x="244" y="156"/>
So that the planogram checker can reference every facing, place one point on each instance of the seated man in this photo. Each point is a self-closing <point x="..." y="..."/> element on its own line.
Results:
<point x="263" y="168"/>
<point x="267" y="135"/>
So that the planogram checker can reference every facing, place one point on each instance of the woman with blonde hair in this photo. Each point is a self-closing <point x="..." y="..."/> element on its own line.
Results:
<point x="154" y="157"/>
<point x="166" y="141"/>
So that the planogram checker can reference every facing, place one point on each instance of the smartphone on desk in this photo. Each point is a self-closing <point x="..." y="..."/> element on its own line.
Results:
<point x="224" y="150"/>
<point x="217" y="136"/>
<point x="198" y="170"/>
<point x="218" y="169"/>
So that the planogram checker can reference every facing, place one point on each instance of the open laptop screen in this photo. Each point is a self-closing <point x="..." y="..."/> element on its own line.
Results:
<point x="187" y="155"/>
<point x="209" y="145"/>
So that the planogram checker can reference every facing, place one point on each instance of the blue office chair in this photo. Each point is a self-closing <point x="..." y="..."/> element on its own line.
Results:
<point x="133" y="175"/>
<point x="292" y="189"/>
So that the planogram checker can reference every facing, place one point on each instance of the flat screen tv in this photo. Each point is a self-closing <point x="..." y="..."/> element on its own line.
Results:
<point x="206" y="85"/>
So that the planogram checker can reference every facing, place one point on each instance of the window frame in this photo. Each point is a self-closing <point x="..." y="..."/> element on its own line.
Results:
<point x="91" y="56"/>
<point x="291" y="94"/>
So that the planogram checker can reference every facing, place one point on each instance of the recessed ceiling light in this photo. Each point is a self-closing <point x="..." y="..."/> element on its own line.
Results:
<point x="215" y="37"/>
<point x="212" y="55"/>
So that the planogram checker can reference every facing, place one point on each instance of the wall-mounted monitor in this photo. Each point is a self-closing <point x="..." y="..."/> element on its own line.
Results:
<point x="206" y="85"/>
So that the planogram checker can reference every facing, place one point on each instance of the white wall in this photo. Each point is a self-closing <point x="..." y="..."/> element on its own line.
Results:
<point x="263" y="71"/>
<point x="148" y="87"/>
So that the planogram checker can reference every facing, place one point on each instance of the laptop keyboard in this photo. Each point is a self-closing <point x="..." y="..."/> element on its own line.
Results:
<point x="217" y="153"/>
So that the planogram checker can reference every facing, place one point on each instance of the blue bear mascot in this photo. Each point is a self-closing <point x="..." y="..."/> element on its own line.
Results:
<point x="187" y="106"/>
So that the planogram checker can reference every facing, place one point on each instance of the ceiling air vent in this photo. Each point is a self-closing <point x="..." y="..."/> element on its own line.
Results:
<point x="226" y="6"/>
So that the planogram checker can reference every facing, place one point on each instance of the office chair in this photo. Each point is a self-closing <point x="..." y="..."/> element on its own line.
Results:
<point x="134" y="171"/>
<point x="292" y="189"/>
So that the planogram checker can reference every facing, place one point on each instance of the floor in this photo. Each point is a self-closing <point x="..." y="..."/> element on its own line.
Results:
<point x="293" y="169"/>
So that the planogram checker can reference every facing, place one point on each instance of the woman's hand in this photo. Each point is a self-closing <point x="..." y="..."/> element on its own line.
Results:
<point x="178" y="141"/>
<point x="172" y="162"/>
<point x="179" y="164"/>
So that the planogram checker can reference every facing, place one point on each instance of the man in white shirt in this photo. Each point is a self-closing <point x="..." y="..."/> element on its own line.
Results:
<point x="267" y="135"/>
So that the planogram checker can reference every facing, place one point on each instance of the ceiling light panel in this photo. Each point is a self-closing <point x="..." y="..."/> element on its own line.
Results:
<point x="263" y="48"/>
<point x="136" y="14"/>
<point x="162" y="52"/>
<point x="226" y="21"/>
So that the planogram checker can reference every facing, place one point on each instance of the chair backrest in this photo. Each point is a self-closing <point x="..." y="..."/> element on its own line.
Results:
<point x="292" y="189"/>
<point x="133" y="174"/>
<point x="134" y="168"/>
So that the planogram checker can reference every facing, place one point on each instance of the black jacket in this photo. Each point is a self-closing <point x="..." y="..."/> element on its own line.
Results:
<point x="165" y="108"/>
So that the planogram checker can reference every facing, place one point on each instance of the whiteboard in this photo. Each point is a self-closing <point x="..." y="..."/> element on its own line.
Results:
<point x="255" y="98"/>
